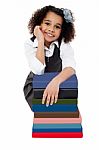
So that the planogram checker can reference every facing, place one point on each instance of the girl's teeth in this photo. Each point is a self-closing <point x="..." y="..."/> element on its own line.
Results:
<point x="49" y="34"/>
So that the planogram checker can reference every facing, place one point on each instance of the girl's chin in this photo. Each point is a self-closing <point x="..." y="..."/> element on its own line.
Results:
<point x="49" y="40"/>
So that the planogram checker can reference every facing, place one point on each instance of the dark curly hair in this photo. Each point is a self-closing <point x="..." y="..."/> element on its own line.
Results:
<point x="68" y="30"/>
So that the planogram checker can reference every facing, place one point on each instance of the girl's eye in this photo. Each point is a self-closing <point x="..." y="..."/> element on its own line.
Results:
<point x="47" y="23"/>
<point x="58" y="27"/>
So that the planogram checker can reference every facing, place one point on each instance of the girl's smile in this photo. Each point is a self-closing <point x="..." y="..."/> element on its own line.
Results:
<point x="51" y="27"/>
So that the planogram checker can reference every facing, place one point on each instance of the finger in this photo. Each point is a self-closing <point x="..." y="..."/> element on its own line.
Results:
<point x="36" y="29"/>
<point x="56" y="98"/>
<point x="52" y="100"/>
<point x="48" y="100"/>
<point x="44" y="98"/>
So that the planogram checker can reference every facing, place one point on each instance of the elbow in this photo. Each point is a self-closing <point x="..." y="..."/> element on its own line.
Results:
<point x="70" y="70"/>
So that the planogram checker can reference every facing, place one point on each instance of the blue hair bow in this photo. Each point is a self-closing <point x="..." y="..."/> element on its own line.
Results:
<point x="67" y="15"/>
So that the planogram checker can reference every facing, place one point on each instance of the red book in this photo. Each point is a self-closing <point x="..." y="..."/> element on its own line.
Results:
<point x="57" y="135"/>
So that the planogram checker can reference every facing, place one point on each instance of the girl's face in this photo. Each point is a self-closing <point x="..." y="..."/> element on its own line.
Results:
<point x="51" y="27"/>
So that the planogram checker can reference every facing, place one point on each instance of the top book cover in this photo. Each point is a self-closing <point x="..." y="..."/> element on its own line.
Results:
<point x="41" y="81"/>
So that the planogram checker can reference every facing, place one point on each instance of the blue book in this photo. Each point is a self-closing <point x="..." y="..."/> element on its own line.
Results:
<point x="56" y="125"/>
<point x="41" y="81"/>
<point x="55" y="108"/>
<point x="58" y="130"/>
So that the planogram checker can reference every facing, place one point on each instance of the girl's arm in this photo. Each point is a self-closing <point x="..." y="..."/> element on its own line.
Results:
<point x="40" y="50"/>
<point x="68" y="65"/>
<point x="51" y="92"/>
<point x="64" y="74"/>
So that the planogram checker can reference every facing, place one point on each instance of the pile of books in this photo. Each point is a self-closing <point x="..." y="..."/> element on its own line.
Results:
<point x="62" y="119"/>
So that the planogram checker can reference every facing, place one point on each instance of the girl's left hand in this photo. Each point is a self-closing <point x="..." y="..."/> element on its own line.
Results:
<point x="50" y="94"/>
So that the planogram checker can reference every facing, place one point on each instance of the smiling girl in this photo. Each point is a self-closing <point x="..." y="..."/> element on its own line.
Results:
<point x="49" y="50"/>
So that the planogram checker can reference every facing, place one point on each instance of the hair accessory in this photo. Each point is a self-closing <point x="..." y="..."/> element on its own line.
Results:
<point x="67" y="15"/>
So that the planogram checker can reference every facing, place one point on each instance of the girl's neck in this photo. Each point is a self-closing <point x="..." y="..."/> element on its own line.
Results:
<point x="47" y="44"/>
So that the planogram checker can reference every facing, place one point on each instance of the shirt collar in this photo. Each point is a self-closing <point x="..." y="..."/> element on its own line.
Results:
<point x="35" y="44"/>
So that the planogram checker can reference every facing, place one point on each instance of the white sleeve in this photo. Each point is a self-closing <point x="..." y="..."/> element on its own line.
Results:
<point x="35" y="65"/>
<point x="67" y="56"/>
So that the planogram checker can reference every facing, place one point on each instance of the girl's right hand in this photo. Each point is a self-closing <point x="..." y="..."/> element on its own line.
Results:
<point x="38" y="33"/>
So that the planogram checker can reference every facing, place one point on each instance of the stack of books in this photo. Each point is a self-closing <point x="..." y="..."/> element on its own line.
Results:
<point x="62" y="119"/>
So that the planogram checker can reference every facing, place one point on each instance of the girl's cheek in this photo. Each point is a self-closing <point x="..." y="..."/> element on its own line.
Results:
<point x="42" y="29"/>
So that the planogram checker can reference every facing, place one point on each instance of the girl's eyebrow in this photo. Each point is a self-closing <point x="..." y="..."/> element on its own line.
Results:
<point x="47" y="20"/>
<point x="50" y="21"/>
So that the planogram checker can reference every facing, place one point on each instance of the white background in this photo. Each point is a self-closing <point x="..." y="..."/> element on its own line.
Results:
<point x="15" y="115"/>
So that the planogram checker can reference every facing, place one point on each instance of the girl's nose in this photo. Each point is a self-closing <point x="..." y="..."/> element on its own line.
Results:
<point x="51" y="28"/>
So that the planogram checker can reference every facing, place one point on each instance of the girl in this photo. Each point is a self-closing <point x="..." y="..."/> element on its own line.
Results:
<point x="49" y="50"/>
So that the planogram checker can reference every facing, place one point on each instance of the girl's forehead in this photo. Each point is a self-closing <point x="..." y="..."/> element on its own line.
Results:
<point x="53" y="16"/>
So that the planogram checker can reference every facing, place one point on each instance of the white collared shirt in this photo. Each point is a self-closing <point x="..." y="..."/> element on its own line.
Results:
<point x="66" y="54"/>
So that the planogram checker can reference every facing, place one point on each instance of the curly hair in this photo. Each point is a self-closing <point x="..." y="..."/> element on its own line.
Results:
<point x="68" y="30"/>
